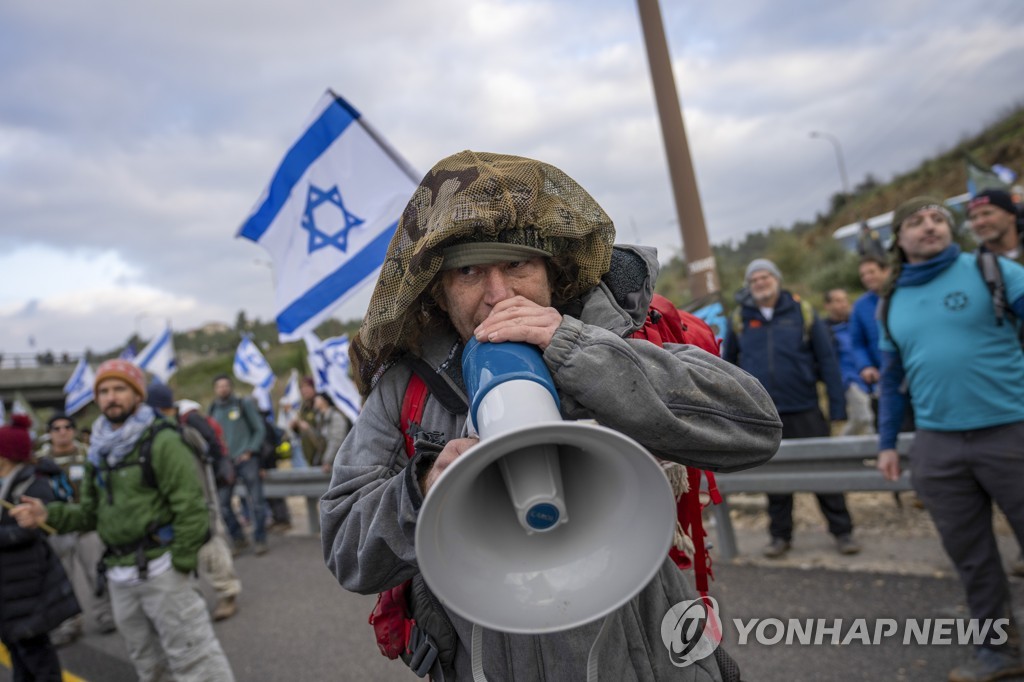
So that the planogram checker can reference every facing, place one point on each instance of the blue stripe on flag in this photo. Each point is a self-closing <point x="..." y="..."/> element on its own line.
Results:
<point x="76" y="378"/>
<point x="327" y="291"/>
<point x="82" y="401"/>
<point x="317" y="138"/>
<point x="161" y="342"/>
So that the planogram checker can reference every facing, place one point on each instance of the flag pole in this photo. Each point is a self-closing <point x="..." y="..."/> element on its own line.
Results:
<point x="379" y="139"/>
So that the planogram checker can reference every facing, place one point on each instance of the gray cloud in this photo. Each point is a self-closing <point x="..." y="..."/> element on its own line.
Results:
<point x="151" y="130"/>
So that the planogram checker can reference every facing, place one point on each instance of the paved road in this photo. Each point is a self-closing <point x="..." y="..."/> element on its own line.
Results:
<point x="295" y="622"/>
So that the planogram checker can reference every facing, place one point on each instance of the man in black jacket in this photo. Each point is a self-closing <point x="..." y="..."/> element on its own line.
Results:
<point x="780" y="340"/>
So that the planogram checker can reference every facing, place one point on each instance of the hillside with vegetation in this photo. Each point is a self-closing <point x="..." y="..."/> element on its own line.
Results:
<point x="208" y="351"/>
<point x="944" y="175"/>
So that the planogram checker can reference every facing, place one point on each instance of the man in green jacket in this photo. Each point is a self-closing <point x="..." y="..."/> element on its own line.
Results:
<point x="152" y="519"/>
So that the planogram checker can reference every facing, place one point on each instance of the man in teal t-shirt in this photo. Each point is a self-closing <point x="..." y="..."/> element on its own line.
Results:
<point x="965" y="372"/>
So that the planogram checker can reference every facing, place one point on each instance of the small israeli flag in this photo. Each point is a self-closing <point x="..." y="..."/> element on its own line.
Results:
<point x="78" y="390"/>
<point x="129" y="352"/>
<point x="292" y="396"/>
<point x="158" y="357"/>
<point x="251" y="367"/>
<point x="329" y="213"/>
<point x="329" y="361"/>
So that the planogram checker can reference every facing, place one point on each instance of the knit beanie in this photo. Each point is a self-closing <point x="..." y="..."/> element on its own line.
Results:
<point x="15" y="443"/>
<point x="123" y="370"/>
<point x="995" y="197"/>
<point x="761" y="264"/>
<point x="160" y="396"/>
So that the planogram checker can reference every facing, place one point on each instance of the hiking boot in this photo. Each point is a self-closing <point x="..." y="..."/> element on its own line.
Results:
<point x="239" y="546"/>
<point x="776" y="548"/>
<point x="225" y="608"/>
<point x="67" y="632"/>
<point x="845" y="544"/>
<point x="987" y="664"/>
<point x="260" y="548"/>
<point x="279" y="527"/>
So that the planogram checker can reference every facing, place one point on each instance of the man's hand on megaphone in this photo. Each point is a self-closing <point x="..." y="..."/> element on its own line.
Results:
<point x="452" y="450"/>
<point x="519" y="319"/>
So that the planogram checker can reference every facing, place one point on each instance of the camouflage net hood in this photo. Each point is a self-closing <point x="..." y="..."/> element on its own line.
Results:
<point x="475" y="197"/>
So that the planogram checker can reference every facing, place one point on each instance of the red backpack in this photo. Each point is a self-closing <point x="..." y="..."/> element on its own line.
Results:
<point x="666" y="324"/>
<point x="391" y="618"/>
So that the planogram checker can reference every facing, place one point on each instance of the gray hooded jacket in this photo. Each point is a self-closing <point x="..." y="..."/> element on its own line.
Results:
<point x="680" y="402"/>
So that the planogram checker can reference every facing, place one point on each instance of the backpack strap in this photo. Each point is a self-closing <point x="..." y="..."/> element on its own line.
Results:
<point x="807" y="314"/>
<point x="993" y="276"/>
<point x="145" y="460"/>
<point x="416" y="394"/>
<point x="988" y="264"/>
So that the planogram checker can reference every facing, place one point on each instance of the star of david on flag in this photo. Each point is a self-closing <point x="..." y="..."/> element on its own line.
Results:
<point x="318" y="239"/>
<point x="251" y="367"/>
<point x="328" y="214"/>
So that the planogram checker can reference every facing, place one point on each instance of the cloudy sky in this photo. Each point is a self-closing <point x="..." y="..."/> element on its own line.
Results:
<point x="136" y="137"/>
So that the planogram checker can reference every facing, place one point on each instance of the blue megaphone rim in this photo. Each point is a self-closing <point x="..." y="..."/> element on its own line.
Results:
<point x="487" y="365"/>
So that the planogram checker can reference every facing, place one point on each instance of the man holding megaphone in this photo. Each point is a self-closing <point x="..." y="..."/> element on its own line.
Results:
<point x="502" y="252"/>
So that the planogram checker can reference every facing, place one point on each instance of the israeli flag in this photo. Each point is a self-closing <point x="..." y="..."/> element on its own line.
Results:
<point x="78" y="389"/>
<point x="329" y="362"/>
<point x="292" y="396"/>
<point x="329" y="213"/>
<point x="261" y="396"/>
<point x="158" y="357"/>
<point x="251" y="367"/>
<point x="128" y="353"/>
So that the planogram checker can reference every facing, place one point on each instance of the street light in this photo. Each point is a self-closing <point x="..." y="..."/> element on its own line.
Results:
<point x="839" y="157"/>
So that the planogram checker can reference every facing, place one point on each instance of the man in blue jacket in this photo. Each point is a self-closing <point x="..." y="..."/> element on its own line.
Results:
<point x="860" y="418"/>
<point x="782" y="342"/>
<point x="873" y="271"/>
<point x="966" y="378"/>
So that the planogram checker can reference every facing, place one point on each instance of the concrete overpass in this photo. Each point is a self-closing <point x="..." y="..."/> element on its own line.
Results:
<point x="40" y="383"/>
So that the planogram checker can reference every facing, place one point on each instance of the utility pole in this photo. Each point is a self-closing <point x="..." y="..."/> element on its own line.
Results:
<point x="700" y="263"/>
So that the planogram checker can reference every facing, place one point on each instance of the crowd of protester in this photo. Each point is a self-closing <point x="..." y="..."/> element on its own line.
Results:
<point x="889" y="361"/>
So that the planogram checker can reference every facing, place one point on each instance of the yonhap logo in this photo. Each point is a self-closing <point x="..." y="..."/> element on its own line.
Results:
<point x="691" y="630"/>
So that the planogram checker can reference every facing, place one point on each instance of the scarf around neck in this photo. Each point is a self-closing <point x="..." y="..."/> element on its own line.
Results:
<point x="916" y="274"/>
<point x="114" y="445"/>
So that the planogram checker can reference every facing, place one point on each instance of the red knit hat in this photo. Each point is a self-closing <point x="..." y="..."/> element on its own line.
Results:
<point x="15" y="443"/>
<point x="123" y="370"/>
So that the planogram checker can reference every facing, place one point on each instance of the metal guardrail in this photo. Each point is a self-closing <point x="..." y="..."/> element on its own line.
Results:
<point x="813" y="465"/>
<point x="810" y="465"/>
<point x="310" y="483"/>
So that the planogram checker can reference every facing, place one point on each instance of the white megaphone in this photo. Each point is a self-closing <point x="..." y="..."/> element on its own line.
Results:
<point x="545" y="525"/>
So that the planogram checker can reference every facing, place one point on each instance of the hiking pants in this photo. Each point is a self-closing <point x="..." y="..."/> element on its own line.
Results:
<point x="248" y="473"/>
<point x="958" y="475"/>
<point x="809" y="424"/>
<point x="167" y="630"/>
